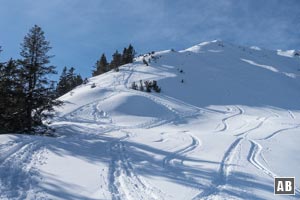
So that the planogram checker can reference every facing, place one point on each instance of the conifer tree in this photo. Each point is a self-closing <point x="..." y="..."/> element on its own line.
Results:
<point x="78" y="80"/>
<point x="128" y="55"/>
<point x="62" y="86"/>
<point x="73" y="80"/>
<point x="68" y="81"/>
<point x="11" y="98"/>
<point x="116" y="61"/>
<point x="102" y="66"/>
<point x="39" y="91"/>
<point x="131" y="53"/>
<point x="124" y="56"/>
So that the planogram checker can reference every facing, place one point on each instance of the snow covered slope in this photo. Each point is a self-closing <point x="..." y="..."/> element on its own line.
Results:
<point x="225" y="124"/>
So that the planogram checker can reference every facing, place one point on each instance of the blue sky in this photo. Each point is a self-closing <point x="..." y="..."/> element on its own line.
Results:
<point x="80" y="31"/>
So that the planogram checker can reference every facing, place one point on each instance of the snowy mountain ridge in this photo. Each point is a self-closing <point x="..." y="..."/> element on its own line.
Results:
<point x="223" y="126"/>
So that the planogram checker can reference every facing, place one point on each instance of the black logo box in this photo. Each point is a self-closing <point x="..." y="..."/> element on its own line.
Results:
<point x="284" y="183"/>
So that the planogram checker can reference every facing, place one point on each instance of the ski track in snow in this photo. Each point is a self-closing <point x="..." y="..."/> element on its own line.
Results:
<point x="278" y="131"/>
<point x="126" y="80"/>
<point x="223" y="172"/>
<point x="292" y="114"/>
<point x="253" y="158"/>
<point x="74" y="116"/>
<point x="172" y="167"/>
<point x="240" y="112"/>
<point x="225" y="166"/>
<point x="11" y="149"/>
<point x="168" y="160"/>
<point x="124" y="182"/>
<point x="195" y="144"/>
<point x="18" y="164"/>
<point x="187" y="105"/>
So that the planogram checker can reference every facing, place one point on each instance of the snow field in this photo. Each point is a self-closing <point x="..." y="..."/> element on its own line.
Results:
<point x="224" y="133"/>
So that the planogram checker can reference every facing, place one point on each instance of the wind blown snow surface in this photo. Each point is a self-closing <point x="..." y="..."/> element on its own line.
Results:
<point x="225" y="124"/>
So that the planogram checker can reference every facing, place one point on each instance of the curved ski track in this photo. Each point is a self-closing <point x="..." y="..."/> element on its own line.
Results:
<point x="240" y="112"/>
<point x="278" y="131"/>
<point x="167" y="161"/>
<point x="254" y="154"/>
